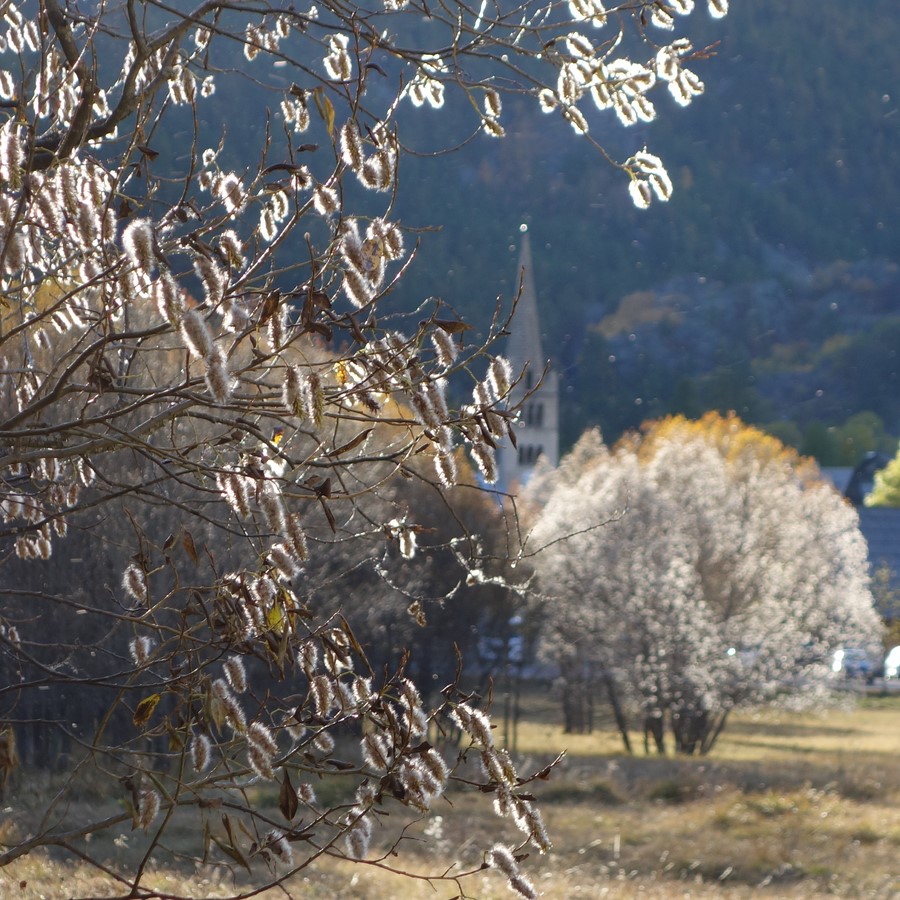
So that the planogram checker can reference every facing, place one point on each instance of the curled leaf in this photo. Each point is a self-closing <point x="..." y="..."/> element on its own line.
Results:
<point x="145" y="709"/>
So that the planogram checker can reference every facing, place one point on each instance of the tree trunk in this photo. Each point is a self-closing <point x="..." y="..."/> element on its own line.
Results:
<point x="576" y="712"/>
<point x="612" y="695"/>
<point x="712" y="735"/>
<point x="577" y="700"/>
<point x="655" y="727"/>
<point x="689" y="727"/>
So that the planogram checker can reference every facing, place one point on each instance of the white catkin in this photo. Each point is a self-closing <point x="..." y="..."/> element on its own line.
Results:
<point x="222" y="692"/>
<point x="272" y="506"/>
<point x="499" y="376"/>
<point x="376" y="751"/>
<point x="445" y="466"/>
<point x="486" y="461"/>
<point x="201" y="752"/>
<point x="134" y="580"/>
<point x="475" y="723"/>
<point x="500" y="857"/>
<point x="292" y="390"/>
<point x="258" y="733"/>
<point x="282" y="557"/>
<point x="141" y="648"/>
<point x="492" y="127"/>
<point x="297" y="538"/>
<point x="147" y="809"/>
<point x="232" y="248"/>
<point x="351" y="145"/>
<point x="196" y="334"/>
<point x="434" y="762"/>
<point x="236" y="318"/>
<point x="230" y="191"/>
<point x="236" y="673"/>
<point x="389" y="235"/>
<point x="234" y="489"/>
<point x="279" y="205"/>
<point x="356" y="845"/>
<point x="138" y="243"/>
<point x="267" y="227"/>
<point x="322" y="694"/>
<point x="313" y="398"/>
<point x="324" y="742"/>
<point x="169" y="298"/>
<point x="444" y="347"/>
<point x="260" y="761"/>
<point x="219" y="380"/>
<point x="407" y="542"/>
<point x="357" y="288"/>
<point x="325" y="200"/>
<point x="279" y="845"/>
<point x="277" y="329"/>
<point x="416" y="722"/>
<point x="214" y="280"/>
<point x="308" y="657"/>
<point x="492" y="103"/>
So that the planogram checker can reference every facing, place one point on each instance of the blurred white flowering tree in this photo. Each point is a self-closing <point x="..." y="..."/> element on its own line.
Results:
<point x="205" y="397"/>
<point x="713" y="570"/>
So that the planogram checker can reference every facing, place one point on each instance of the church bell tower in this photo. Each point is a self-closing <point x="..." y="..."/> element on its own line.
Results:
<point x="537" y="429"/>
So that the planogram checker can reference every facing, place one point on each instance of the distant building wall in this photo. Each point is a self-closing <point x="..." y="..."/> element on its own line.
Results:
<point x="880" y="526"/>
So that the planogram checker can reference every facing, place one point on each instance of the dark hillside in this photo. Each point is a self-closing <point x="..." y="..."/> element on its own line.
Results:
<point x="786" y="197"/>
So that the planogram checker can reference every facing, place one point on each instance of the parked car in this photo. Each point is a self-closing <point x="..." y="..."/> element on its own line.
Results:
<point x="854" y="662"/>
<point x="892" y="663"/>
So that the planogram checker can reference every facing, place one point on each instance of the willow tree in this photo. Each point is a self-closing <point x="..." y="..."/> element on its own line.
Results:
<point x="204" y="390"/>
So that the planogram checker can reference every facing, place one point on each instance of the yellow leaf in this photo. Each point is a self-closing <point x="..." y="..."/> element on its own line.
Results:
<point x="325" y="108"/>
<point x="216" y="711"/>
<point x="275" y="618"/>
<point x="145" y="710"/>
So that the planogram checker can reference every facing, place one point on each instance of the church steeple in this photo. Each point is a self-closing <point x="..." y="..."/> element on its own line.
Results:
<point x="537" y="431"/>
<point x="525" y="341"/>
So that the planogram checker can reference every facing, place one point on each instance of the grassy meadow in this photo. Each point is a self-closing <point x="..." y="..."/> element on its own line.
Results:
<point x="794" y="805"/>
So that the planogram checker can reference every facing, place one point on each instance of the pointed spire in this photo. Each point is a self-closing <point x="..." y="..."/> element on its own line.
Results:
<point x="525" y="341"/>
<point x="537" y="430"/>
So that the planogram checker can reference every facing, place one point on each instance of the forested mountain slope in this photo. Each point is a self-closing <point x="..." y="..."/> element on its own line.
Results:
<point x="779" y="240"/>
<point x="767" y="283"/>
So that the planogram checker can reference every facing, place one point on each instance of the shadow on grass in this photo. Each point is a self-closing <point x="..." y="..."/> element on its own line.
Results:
<point x="860" y="777"/>
<point x="771" y="730"/>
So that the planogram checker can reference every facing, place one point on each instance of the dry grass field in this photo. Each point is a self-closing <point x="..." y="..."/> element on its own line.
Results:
<point x="789" y="805"/>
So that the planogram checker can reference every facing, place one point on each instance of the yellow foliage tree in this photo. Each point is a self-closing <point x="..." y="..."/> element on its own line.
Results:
<point x="887" y="485"/>
<point x="739" y="443"/>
